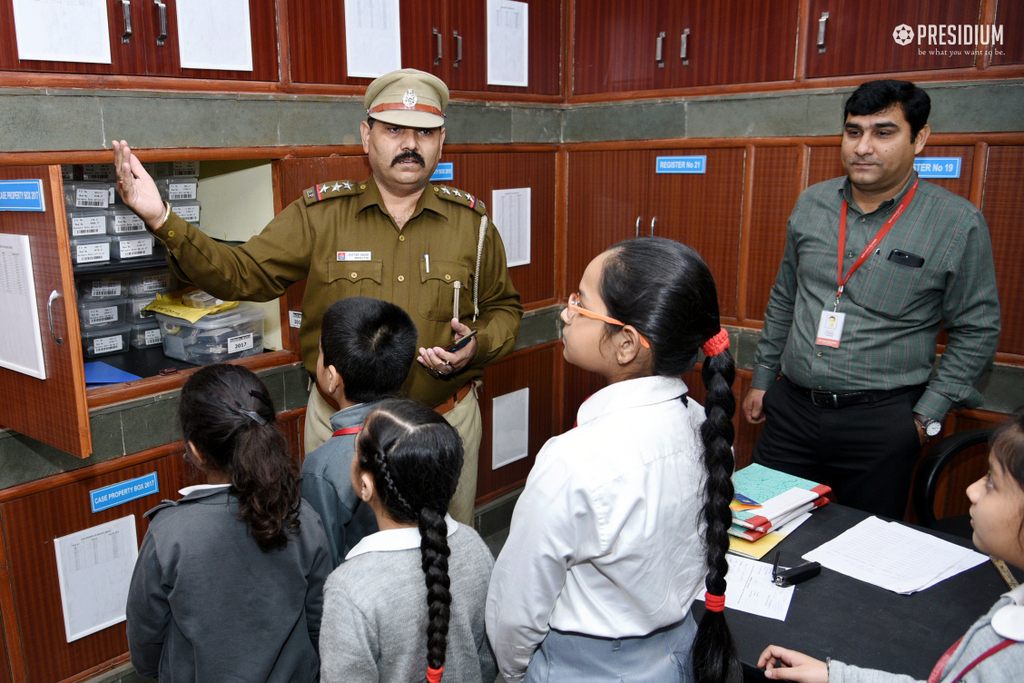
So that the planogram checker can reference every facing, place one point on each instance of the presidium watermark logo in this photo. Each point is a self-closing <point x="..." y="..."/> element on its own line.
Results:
<point x="951" y="40"/>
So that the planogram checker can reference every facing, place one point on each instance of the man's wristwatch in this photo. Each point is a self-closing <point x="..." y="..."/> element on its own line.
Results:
<point x="929" y="426"/>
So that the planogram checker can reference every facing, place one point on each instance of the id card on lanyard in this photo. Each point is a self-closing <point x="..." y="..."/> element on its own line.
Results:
<point x="830" y="327"/>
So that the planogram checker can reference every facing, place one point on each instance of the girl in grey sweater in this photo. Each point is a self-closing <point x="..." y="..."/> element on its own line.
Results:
<point x="992" y="650"/>
<point x="408" y="602"/>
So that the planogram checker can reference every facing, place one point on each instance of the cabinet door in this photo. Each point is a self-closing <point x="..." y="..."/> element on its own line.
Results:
<point x="858" y="36"/>
<point x="125" y="57"/>
<point x="1003" y="207"/>
<point x="316" y="42"/>
<point x="164" y="60"/>
<point x="734" y="41"/>
<point x="1009" y="50"/>
<point x="425" y="37"/>
<point x="52" y="411"/>
<point x="616" y="45"/>
<point x="703" y="211"/>
<point x="467" y="31"/>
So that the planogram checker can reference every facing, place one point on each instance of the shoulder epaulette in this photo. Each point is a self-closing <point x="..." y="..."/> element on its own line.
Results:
<point x="460" y="197"/>
<point x="164" y="504"/>
<point x="331" y="190"/>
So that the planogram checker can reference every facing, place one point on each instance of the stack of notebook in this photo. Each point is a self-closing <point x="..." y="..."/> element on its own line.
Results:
<point x="766" y="499"/>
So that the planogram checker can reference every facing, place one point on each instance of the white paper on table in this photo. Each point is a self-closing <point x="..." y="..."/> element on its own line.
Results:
<point x="511" y="211"/>
<point x="62" y="30"/>
<point x="21" y="344"/>
<point x="510" y="435"/>
<point x="214" y="35"/>
<point x="508" y="43"/>
<point x="94" y="568"/>
<point x="751" y="589"/>
<point x="891" y="556"/>
<point x="373" y="37"/>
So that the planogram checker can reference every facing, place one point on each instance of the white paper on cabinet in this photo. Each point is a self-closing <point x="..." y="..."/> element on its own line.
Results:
<point x="214" y="35"/>
<point x="510" y="435"/>
<point x="94" y="568"/>
<point x="62" y="30"/>
<point x="21" y="347"/>
<point x="508" y="40"/>
<point x="373" y="37"/>
<point x="511" y="210"/>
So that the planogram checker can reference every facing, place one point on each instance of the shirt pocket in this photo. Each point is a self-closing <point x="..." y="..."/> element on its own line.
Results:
<point x="890" y="289"/>
<point x="437" y="301"/>
<point x="355" y="278"/>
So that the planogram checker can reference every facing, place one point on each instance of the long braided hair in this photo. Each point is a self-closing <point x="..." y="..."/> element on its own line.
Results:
<point x="415" y="458"/>
<point x="228" y="416"/>
<point x="666" y="291"/>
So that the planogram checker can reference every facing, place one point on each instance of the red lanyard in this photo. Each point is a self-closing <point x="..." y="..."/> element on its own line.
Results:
<point x="872" y="244"/>
<point x="347" y="430"/>
<point x="933" y="677"/>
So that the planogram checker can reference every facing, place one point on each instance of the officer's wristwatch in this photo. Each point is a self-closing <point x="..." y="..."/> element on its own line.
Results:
<point x="929" y="426"/>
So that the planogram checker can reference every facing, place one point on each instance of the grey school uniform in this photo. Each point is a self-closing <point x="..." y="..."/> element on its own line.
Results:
<point x="206" y="604"/>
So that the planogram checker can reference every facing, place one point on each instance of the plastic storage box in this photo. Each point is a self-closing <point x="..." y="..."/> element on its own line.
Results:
<point x="84" y="222"/>
<point x="178" y="189"/>
<point x="151" y="281"/>
<point x="102" y="312"/>
<point x="87" y="195"/>
<point x="105" y="286"/>
<point x="145" y="335"/>
<point x="122" y="220"/>
<point x="98" y="341"/>
<point x="135" y="305"/>
<point x="91" y="249"/>
<point x="235" y="333"/>
<point x="125" y="247"/>
<point x="187" y="210"/>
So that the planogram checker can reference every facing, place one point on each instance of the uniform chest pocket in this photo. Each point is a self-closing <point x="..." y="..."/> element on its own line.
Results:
<point x="354" y="278"/>
<point x="892" y="289"/>
<point x="437" y="299"/>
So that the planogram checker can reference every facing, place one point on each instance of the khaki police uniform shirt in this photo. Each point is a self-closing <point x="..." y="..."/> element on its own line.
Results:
<point x="341" y="237"/>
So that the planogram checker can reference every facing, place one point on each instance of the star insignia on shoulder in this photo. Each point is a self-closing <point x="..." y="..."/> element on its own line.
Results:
<point x="347" y="185"/>
<point x="336" y="187"/>
<point x="325" y="187"/>
<point x="444" y="188"/>
<point x="457" y="193"/>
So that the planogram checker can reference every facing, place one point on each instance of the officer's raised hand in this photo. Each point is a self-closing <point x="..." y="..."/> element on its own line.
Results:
<point x="441" y="362"/>
<point x="136" y="187"/>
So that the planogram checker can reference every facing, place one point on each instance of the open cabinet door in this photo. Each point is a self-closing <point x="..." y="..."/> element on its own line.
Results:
<point x="53" y="410"/>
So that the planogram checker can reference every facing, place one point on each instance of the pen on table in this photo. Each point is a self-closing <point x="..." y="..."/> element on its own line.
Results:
<point x="775" y="566"/>
<point x="426" y="258"/>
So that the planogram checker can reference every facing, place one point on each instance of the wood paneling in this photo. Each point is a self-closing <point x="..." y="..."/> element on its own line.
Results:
<point x="703" y="211"/>
<point x="777" y="184"/>
<point x="316" y="42"/>
<point x="533" y="368"/>
<point x="52" y="411"/>
<point x="30" y="525"/>
<point x="614" y="48"/>
<point x="578" y="385"/>
<point x="1003" y="207"/>
<point x="859" y="36"/>
<point x="1011" y="15"/>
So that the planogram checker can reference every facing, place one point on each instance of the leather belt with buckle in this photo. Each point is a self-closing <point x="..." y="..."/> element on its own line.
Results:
<point x="837" y="400"/>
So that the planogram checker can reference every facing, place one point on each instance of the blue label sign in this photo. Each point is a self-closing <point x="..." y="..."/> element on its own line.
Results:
<point x="937" y="167"/>
<point x="21" y="195"/>
<point x="694" y="164"/>
<point x="124" y="491"/>
<point x="445" y="171"/>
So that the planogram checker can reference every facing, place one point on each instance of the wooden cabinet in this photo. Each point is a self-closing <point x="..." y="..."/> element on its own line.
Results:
<point x="1003" y="206"/>
<point x="623" y="46"/>
<point x="448" y="39"/>
<point x="1009" y="15"/>
<point x="847" y="37"/>
<point x="151" y="48"/>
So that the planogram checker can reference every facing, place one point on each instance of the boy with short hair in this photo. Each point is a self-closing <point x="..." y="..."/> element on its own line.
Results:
<point x="366" y="349"/>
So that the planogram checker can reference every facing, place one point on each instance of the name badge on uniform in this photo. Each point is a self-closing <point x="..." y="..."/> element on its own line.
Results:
<point x="354" y="255"/>
<point x="830" y="328"/>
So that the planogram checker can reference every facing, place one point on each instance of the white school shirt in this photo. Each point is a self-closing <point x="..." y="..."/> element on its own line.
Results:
<point x="605" y="538"/>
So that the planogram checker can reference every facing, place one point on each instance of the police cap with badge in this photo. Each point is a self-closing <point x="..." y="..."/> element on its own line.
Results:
<point x="407" y="97"/>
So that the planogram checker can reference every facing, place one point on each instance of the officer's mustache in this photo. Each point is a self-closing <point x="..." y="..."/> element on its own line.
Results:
<point x="411" y="155"/>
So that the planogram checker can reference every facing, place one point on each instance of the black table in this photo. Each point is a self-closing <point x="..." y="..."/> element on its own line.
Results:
<point x="857" y="623"/>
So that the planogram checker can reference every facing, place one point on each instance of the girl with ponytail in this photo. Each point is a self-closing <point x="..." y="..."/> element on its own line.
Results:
<point x="408" y="602"/>
<point x="623" y="519"/>
<point x="229" y="580"/>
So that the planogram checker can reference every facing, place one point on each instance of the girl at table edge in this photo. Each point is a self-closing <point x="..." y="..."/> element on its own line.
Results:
<point x="992" y="650"/>
<point x="626" y="515"/>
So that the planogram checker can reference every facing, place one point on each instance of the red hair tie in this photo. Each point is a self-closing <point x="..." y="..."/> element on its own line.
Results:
<point x="434" y="675"/>
<point x="714" y="603"/>
<point x="717" y="344"/>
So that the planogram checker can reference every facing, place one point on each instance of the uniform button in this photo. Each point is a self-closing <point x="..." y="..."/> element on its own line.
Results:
<point x="436" y="188"/>
<point x="447" y="277"/>
<point x="354" y="275"/>
<point x="819" y="386"/>
<point x="401" y="238"/>
<point x="362" y="187"/>
<point x="849" y="254"/>
<point x="401" y="278"/>
<point x="819" y="354"/>
<point x="862" y="220"/>
<point x="170" y="234"/>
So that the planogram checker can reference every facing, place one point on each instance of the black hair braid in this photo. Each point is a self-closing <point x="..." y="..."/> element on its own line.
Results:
<point x="393" y="497"/>
<point x="435" y="551"/>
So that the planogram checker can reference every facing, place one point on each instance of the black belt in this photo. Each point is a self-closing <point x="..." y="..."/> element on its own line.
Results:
<point x="831" y="399"/>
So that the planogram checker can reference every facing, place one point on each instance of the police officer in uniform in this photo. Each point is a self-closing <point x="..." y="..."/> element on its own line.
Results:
<point x="394" y="236"/>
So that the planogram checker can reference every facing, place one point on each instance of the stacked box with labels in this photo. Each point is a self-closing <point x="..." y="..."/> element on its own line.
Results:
<point x="234" y="333"/>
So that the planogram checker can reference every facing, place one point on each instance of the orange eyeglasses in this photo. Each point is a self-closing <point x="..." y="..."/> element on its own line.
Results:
<point x="574" y="307"/>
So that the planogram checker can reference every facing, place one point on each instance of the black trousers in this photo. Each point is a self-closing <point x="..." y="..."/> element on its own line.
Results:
<point x="865" y="452"/>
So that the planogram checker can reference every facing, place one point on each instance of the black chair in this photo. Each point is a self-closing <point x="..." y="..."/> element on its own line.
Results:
<point x="927" y="481"/>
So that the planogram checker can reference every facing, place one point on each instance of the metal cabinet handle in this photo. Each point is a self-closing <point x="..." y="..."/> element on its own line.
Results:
<point x="654" y="221"/>
<point x="638" y="226"/>
<point x="682" y="50"/>
<point x="658" y="50"/>
<point x="54" y="295"/>
<point x="126" y="12"/>
<point x="163" y="22"/>
<point x="821" y="32"/>
<point x="458" y="49"/>
<point x="440" y="48"/>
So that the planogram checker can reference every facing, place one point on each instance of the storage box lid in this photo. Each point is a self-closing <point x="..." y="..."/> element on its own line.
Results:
<point x="243" y="313"/>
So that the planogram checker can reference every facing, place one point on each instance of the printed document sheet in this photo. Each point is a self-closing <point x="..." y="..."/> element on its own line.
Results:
<point x="751" y="589"/>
